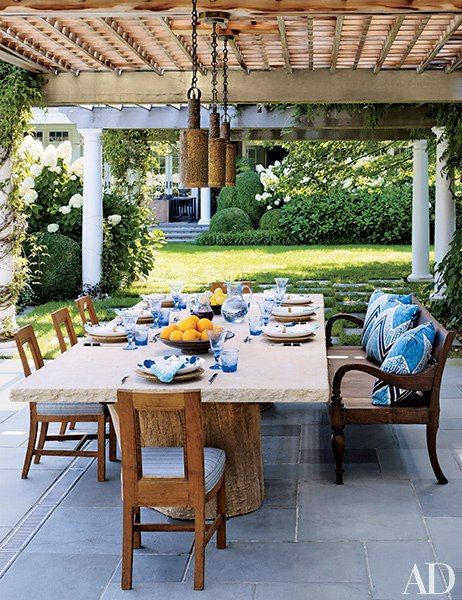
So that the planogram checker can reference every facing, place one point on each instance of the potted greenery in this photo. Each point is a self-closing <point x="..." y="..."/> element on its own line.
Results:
<point x="8" y="328"/>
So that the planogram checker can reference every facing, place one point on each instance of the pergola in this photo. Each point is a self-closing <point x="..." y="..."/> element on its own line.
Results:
<point x="118" y="53"/>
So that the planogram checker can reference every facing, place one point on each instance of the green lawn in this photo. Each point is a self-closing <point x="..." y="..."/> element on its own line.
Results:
<point x="198" y="266"/>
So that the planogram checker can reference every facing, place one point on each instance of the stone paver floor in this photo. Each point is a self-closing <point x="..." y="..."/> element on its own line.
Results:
<point x="310" y="540"/>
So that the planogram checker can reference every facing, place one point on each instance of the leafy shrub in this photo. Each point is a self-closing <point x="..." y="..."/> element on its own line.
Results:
<point x="58" y="268"/>
<point x="258" y="237"/>
<point x="449" y="283"/>
<point x="271" y="219"/>
<point x="229" y="220"/>
<point x="361" y="217"/>
<point x="243" y="196"/>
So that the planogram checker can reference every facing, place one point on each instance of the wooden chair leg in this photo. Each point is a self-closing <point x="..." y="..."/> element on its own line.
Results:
<point x="101" y="460"/>
<point x="72" y="425"/>
<point x="137" y="534"/>
<point x="199" y="546"/>
<point x="62" y="429"/>
<point x="127" y="548"/>
<point x="33" y="427"/>
<point x="112" y="441"/>
<point x="338" y="447"/>
<point x="221" y="510"/>
<point x="432" y="430"/>
<point x="41" y="442"/>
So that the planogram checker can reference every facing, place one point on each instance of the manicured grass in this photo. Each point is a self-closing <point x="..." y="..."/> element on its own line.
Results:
<point x="198" y="266"/>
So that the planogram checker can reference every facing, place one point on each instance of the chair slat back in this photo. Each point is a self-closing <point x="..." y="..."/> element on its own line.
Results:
<point x="222" y="284"/>
<point x="62" y="318"/>
<point x="86" y="310"/>
<point x="26" y="337"/>
<point x="178" y="490"/>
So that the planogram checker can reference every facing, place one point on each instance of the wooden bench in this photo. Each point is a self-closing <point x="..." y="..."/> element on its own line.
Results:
<point x="352" y="376"/>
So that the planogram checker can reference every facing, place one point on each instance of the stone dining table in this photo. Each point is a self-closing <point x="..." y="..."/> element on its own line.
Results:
<point x="267" y="373"/>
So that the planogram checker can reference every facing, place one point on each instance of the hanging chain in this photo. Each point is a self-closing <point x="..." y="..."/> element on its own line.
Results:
<point x="194" y="91"/>
<point x="225" y="81"/>
<point x="214" y="67"/>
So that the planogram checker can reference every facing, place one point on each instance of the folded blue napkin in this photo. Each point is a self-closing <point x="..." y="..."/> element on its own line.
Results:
<point x="165" y="370"/>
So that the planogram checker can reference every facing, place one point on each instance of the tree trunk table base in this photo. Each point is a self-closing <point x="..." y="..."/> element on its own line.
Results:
<point x="233" y="427"/>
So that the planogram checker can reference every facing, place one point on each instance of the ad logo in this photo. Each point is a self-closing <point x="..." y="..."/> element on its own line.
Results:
<point x="428" y="586"/>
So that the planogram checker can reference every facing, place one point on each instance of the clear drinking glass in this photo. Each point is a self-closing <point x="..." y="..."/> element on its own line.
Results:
<point x="266" y="308"/>
<point x="155" y="304"/>
<point x="164" y="317"/>
<point x="216" y="339"/>
<point x="141" y="336"/>
<point x="229" y="360"/>
<point x="281" y="282"/>
<point x="255" y="324"/>
<point x="279" y="293"/>
<point x="129" y="319"/>
<point x="176" y="287"/>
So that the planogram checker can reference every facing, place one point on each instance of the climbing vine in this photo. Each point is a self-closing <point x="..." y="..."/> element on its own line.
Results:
<point x="19" y="91"/>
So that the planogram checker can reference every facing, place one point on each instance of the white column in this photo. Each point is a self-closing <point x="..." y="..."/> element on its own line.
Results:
<point x="445" y="206"/>
<point x="206" y="206"/>
<point x="169" y="174"/>
<point x="92" y="216"/>
<point x="6" y="257"/>
<point x="420" y="215"/>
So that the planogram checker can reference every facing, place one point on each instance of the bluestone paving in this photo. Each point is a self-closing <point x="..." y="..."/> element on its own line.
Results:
<point x="439" y="500"/>
<point x="281" y="449"/>
<point x="402" y="463"/>
<point x="446" y="534"/>
<point x="179" y="591"/>
<point x="152" y="568"/>
<point x="280" y="494"/>
<point x="312" y="591"/>
<point x="264" y="525"/>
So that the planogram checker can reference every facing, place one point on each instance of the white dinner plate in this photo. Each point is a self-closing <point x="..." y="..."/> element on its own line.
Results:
<point x="297" y="299"/>
<point x="294" y="311"/>
<point x="105" y="330"/>
<point x="191" y="364"/>
<point x="290" y="330"/>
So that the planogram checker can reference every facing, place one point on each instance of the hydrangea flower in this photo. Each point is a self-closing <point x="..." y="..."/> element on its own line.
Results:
<point x="35" y="170"/>
<point x="65" y="210"/>
<point x="30" y="196"/>
<point x="259" y="168"/>
<point x="76" y="201"/>
<point x="114" y="219"/>
<point x="49" y="157"/>
<point x="77" y="167"/>
<point x="64" y="151"/>
<point x="53" y="228"/>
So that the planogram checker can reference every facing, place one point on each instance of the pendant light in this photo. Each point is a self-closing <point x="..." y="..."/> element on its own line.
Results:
<point x="194" y="140"/>
<point x="230" y="157"/>
<point x="217" y="145"/>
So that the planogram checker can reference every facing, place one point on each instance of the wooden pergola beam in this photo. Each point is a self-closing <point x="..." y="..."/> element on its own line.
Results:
<point x="301" y="86"/>
<point x="115" y="29"/>
<point x="233" y="44"/>
<point x="180" y="43"/>
<point x="394" y="30"/>
<point x="455" y="64"/>
<point x="362" y="41"/>
<point x="336" y="42"/>
<point x="69" y="36"/>
<point x="244" y="7"/>
<point x="413" y="40"/>
<point x="59" y="63"/>
<point x="13" y="57"/>
<point x="310" y="33"/>
<point x="284" y="44"/>
<point x="445" y="37"/>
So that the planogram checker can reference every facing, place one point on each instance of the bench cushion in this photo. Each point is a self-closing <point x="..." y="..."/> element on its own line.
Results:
<point x="409" y="355"/>
<point x="58" y="409"/>
<point x="169" y="462"/>
<point x="374" y="307"/>
<point x="394" y="320"/>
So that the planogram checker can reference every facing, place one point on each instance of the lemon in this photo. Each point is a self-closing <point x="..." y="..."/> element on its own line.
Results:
<point x="204" y="336"/>
<point x="165" y="333"/>
<point x="176" y="336"/>
<point x="204" y="324"/>
<point x="188" y="323"/>
<point x="191" y="335"/>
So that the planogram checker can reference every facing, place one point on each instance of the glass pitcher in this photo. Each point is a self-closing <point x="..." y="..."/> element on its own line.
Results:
<point x="235" y="307"/>
<point x="199" y="305"/>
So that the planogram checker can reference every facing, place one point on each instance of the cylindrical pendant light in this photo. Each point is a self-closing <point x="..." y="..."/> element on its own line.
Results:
<point x="230" y="158"/>
<point x="194" y="140"/>
<point x="217" y="145"/>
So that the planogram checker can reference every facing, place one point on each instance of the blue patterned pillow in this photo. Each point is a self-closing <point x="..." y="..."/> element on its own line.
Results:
<point x="394" y="320"/>
<point x="374" y="308"/>
<point x="410" y="354"/>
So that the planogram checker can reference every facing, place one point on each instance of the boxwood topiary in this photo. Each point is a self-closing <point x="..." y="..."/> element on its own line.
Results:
<point x="230" y="220"/>
<point x="57" y="268"/>
<point x="243" y="196"/>
<point x="271" y="219"/>
<point x="227" y="198"/>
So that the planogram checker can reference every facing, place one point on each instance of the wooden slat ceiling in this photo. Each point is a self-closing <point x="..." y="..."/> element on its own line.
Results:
<point x="72" y="42"/>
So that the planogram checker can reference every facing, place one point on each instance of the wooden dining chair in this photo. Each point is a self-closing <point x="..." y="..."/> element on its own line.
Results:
<point x="222" y="284"/>
<point x="87" y="311"/>
<point x="182" y="477"/>
<point x="44" y="413"/>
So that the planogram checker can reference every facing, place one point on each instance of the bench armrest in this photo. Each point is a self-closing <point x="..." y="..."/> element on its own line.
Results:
<point x="340" y="317"/>
<point x="420" y="382"/>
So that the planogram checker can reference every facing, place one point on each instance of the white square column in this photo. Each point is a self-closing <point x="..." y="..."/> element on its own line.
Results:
<point x="206" y="206"/>
<point x="92" y="215"/>
<point x="420" y="214"/>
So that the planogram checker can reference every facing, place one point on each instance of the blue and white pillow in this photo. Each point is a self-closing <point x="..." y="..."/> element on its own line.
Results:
<point x="410" y="354"/>
<point x="374" y="308"/>
<point x="394" y="320"/>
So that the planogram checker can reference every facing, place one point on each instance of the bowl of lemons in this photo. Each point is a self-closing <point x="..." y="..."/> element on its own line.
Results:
<point x="189" y="335"/>
<point x="216" y="300"/>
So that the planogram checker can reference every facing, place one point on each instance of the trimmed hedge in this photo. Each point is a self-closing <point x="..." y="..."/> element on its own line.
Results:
<point x="254" y="237"/>
<point x="271" y="219"/>
<point x="57" y="269"/>
<point x="243" y="196"/>
<point x="230" y="220"/>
